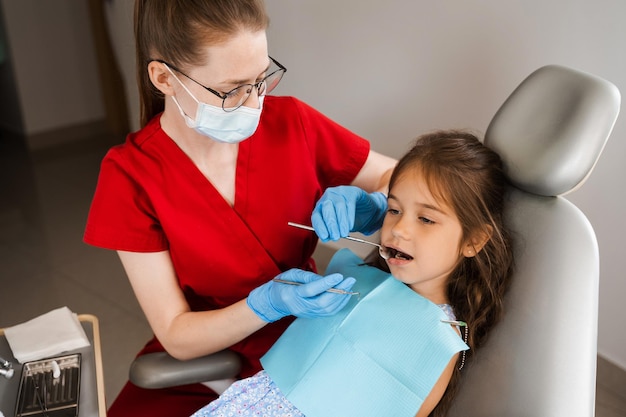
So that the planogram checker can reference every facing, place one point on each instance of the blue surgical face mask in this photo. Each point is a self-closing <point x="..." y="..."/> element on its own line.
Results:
<point x="214" y="122"/>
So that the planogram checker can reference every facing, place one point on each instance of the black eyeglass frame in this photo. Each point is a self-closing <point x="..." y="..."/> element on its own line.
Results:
<point x="256" y="85"/>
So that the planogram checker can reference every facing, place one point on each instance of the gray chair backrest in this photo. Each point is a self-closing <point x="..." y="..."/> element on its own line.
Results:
<point x="541" y="359"/>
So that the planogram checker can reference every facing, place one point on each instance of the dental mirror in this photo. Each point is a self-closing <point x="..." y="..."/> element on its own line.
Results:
<point x="381" y="250"/>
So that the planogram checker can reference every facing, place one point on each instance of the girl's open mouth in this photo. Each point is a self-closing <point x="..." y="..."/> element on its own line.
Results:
<point x="395" y="253"/>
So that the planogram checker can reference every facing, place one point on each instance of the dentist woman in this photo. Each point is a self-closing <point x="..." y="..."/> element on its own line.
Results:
<point x="196" y="203"/>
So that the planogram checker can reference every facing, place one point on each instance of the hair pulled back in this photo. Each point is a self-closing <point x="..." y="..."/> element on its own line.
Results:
<point x="177" y="30"/>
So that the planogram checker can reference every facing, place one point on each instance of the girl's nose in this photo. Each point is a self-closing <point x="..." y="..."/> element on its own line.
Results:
<point x="399" y="228"/>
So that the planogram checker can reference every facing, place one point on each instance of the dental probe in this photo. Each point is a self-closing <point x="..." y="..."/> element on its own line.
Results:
<point x="333" y="290"/>
<point x="381" y="250"/>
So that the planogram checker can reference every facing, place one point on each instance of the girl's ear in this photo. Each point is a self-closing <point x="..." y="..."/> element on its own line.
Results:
<point x="161" y="77"/>
<point x="476" y="243"/>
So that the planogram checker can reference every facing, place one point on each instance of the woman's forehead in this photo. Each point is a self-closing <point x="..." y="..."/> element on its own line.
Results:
<point x="243" y="56"/>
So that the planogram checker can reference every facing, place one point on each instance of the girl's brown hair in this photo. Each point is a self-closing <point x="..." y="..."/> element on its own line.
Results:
<point x="468" y="176"/>
<point x="176" y="30"/>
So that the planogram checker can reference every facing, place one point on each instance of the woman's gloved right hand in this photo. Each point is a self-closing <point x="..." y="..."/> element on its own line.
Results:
<point x="346" y="209"/>
<point x="274" y="300"/>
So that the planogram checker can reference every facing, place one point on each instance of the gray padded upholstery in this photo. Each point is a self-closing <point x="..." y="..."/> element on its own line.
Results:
<point x="553" y="127"/>
<point x="541" y="360"/>
<point x="160" y="370"/>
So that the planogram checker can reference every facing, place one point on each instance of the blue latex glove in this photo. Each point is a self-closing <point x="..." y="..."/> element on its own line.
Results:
<point x="273" y="300"/>
<point x="346" y="209"/>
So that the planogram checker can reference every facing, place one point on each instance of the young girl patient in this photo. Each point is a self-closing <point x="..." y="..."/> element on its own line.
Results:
<point x="446" y="240"/>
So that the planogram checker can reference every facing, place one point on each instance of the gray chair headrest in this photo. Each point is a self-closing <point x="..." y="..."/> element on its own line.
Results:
<point x="551" y="130"/>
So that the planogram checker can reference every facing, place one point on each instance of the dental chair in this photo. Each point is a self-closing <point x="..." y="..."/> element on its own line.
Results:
<point x="541" y="359"/>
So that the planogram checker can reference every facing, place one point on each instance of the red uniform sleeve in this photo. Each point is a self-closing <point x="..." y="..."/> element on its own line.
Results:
<point x="121" y="215"/>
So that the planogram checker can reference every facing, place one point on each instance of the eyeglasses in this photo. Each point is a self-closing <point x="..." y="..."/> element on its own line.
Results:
<point x="236" y="97"/>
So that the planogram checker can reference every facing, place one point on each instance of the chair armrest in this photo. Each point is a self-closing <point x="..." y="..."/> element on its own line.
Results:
<point x="160" y="370"/>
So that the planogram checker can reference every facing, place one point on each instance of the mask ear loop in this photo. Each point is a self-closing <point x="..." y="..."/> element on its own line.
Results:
<point x="190" y="122"/>
<point x="459" y="323"/>
<point x="181" y="83"/>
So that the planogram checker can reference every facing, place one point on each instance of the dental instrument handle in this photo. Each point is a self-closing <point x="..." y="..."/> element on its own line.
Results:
<point x="5" y="363"/>
<point x="56" y="369"/>
<point x="7" y="372"/>
<point x="6" y="368"/>
<point x="333" y="290"/>
<point x="354" y="239"/>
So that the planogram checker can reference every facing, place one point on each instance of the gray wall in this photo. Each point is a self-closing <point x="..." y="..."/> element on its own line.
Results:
<point x="54" y="78"/>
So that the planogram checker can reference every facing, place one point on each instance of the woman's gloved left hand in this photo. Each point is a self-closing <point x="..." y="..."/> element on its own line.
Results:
<point x="346" y="209"/>
<point x="274" y="300"/>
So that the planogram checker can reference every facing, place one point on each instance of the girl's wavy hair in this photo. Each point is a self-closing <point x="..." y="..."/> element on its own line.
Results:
<point x="467" y="176"/>
<point x="177" y="30"/>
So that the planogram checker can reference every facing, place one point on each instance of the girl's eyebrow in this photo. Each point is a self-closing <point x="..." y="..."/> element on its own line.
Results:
<point x="422" y="205"/>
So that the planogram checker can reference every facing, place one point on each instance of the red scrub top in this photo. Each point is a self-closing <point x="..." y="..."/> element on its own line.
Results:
<point x="151" y="197"/>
